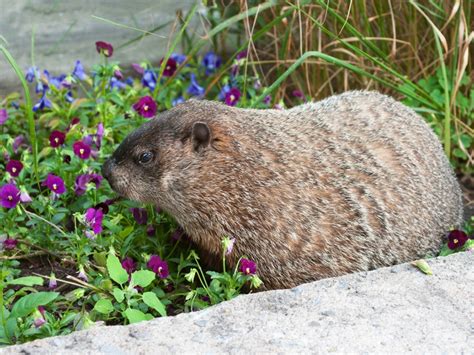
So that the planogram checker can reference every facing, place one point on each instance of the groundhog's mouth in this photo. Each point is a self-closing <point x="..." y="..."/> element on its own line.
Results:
<point x="118" y="188"/>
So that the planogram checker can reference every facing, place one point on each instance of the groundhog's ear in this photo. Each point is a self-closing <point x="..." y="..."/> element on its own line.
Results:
<point x="200" y="135"/>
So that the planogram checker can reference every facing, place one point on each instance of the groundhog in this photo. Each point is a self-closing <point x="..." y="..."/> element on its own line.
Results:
<point x="350" y="183"/>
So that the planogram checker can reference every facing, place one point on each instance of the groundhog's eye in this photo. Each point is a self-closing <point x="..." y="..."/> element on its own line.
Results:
<point x="145" y="157"/>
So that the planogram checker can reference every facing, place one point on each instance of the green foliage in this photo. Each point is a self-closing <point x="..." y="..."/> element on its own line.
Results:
<point x="325" y="47"/>
<point x="318" y="47"/>
<point x="12" y="323"/>
<point x="463" y="106"/>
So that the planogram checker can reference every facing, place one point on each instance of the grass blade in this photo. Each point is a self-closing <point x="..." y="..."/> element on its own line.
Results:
<point x="440" y="39"/>
<point x="28" y="108"/>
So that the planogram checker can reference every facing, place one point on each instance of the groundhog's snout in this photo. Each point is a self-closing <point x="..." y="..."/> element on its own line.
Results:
<point x="107" y="169"/>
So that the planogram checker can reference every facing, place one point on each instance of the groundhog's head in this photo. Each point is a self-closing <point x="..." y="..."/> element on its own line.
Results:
<point x="160" y="161"/>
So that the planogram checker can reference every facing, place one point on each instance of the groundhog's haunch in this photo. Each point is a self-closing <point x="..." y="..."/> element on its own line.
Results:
<point x="351" y="183"/>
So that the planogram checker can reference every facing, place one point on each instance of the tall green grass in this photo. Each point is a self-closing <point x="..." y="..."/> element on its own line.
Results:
<point x="415" y="51"/>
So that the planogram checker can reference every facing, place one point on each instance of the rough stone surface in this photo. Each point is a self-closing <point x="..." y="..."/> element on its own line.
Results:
<point x="66" y="31"/>
<point x="390" y="310"/>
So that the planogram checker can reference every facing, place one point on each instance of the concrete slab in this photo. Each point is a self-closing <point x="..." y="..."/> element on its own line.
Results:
<point x="66" y="31"/>
<point x="390" y="310"/>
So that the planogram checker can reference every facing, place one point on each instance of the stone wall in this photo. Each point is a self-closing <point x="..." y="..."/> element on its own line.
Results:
<point x="66" y="31"/>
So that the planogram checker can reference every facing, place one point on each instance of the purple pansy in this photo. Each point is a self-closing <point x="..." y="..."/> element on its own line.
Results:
<point x="9" y="196"/>
<point x="74" y="121"/>
<point x="81" y="182"/>
<point x="211" y="62"/>
<point x="257" y="84"/>
<point x="25" y="197"/>
<point x="67" y="82"/>
<point x="88" y="140"/>
<point x="42" y="103"/>
<point x="116" y="83"/>
<point x="3" y="116"/>
<point x="81" y="274"/>
<point x="94" y="219"/>
<point x="225" y="89"/>
<point x="14" y="167"/>
<point x="57" y="81"/>
<point x="178" y="58"/>
<point x="146" y="107"/>
<point x="10" y="243"/>
<point x="68" y="96"/>
<point x="230" y="246"/>
<point x="56" y="138"/>
<point x="81" y="149"/>
<point x="267" y="100"/>
<point x="52" y="284"/>
<point x="79" y="71"/>
<point x="194" y="88"/>
<point x="17" y="142"/>
<point x="149" y="79"/>
<point x="170" y="67"/>
<point x="247" y="267"/>
<point x="129" y="265"/>
<point x="150" y="230"/>
<point x="105" y="48"/>
<point x="299" y="94"/>
<point x="158" y="266"/>
<point x="241" y="55"/>
<point x="140" y="215"/>
<point x="55" y="184"/>
<point x="31" y="74"/>
<point x="118" y="74"/>
<point x="39" y="321"/>
<point x="104" y="206"/>
<point x="232" y="96"/>
<point x="138" y="68"/>
<point x="178" y="100"/>
<point x="177" y="234"/>
<point x="456" y="239"/>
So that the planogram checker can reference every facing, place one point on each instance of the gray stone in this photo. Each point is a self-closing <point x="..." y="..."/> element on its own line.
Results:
<point x="378" y="311"/>
<point x="66" y="31"/>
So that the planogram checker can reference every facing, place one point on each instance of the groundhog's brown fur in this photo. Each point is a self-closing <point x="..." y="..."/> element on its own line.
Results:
<point x="351" y="183"/>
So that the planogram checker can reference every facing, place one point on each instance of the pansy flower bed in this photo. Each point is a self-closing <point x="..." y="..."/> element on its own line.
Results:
<point x="72" y="252"/>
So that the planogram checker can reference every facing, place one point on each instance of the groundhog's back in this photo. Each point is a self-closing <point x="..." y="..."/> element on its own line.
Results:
<point x="350" y="183"/>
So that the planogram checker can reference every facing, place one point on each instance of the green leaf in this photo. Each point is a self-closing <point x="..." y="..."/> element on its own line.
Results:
<point x="190" y="275"/>
<point x="100" y="258"/>
<point x="126" y="231"/>
<point x="445" y="251"/>
<point x="469" y="244"/>
<point x="459" y="153"/>
<point x="118" y="294"/>
<point x="115" y="269"/>
<point x="27" y="281"/>
<point x="104" y="306"/>
<point x="134" y="315"/>
<point x="58" y="218"/>
<point x="151" y="300"/>
<point x="255" y="282"/>
<point x="190" y="295"/>
<point x="423" y="266"/>
<point x="29" y="303"/>
<point x="142" y="278"/>
<point x="74" y="295"/>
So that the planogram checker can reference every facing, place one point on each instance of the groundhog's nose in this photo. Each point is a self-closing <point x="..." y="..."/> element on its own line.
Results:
<point x="107" y="168"/>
